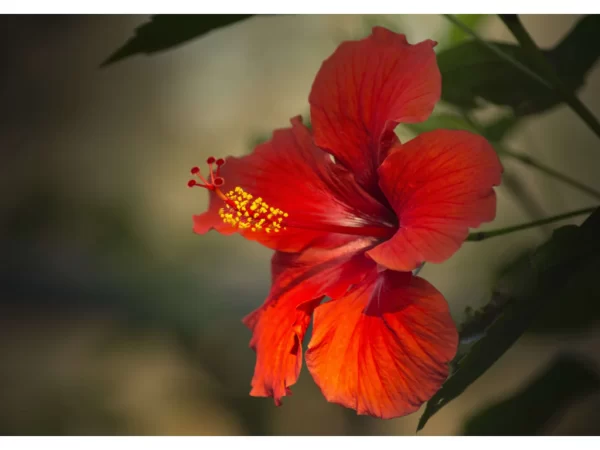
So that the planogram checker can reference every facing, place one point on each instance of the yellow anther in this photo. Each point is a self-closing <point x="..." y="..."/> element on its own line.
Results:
<point x="244" y="212"/>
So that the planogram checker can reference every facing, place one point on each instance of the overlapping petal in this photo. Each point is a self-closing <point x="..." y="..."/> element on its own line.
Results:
<point x="290" y="173"/>
<point x="383" y="349"/>
<point x="364" y="90"/>
<point x="440" y="184"/>
<point x="300" y="280"/>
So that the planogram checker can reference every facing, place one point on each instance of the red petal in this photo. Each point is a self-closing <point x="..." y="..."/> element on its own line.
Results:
<point x="290" y="173"/>
<point x="300" y="280"/>
<point x="384" y="348"/>
<point x="364" y="90"/>
<point x="440" y="184"/>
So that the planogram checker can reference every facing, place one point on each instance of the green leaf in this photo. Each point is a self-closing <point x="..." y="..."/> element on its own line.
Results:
<point x="494" y="131"/>
<point x="444" y="121"/>
<point x="531" y="288"/>
<point x="471" y="20"/>
<point x="166" y="31"/>
<point x="498" y="130"/>
<point x="470" y="71"/>
<point x="528" y="411"/>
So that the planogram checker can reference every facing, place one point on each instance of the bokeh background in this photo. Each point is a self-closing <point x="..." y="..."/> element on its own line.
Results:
<point x="116" y="319"/>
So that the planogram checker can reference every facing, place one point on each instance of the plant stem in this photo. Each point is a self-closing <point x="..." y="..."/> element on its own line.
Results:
<point x="480" y="236"/>
<point x="544" y="67"/>
<point x="526" y="159"/>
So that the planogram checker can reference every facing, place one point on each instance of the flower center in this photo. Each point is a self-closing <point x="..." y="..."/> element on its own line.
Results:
<point x="241" y="210"/>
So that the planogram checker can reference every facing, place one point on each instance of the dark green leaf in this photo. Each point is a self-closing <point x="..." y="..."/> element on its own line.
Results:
<point x="530" y="289"/>
<point x="584" y="306"/>
<point x="477" y="321"/>
<point x="583" y="290"/>
<point x="471" y="71"/>
<point x="164" y="32"/>
<point x="579" y="50"/>
<point x="527" y="412"/>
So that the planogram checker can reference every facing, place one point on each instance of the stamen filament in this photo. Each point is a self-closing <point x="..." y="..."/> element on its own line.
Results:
<point x="199" y="175"/>
<point x="212" y="175"/>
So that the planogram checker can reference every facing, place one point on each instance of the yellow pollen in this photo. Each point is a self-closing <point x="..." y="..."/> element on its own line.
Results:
<point x="251" y="213"/>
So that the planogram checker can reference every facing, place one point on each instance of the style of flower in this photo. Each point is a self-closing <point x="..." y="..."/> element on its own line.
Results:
<point x="350" y="212"/>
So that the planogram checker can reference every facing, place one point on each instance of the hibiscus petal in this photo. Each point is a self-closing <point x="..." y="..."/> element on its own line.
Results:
<point x="291" y="174"/>
<point x="383" y="349"/>
<point x="440" y="184"/>
<point x="300" y="280"/>
<point x="364" y="90"/>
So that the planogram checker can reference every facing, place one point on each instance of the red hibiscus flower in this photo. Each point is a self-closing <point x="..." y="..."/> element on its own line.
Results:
<point x="351" y="212"/>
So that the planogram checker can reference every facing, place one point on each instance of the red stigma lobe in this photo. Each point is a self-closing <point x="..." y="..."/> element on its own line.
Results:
<point x="215" y="179"/>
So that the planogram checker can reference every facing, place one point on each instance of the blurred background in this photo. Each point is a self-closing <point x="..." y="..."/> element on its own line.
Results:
<point x="116" y="319"/>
